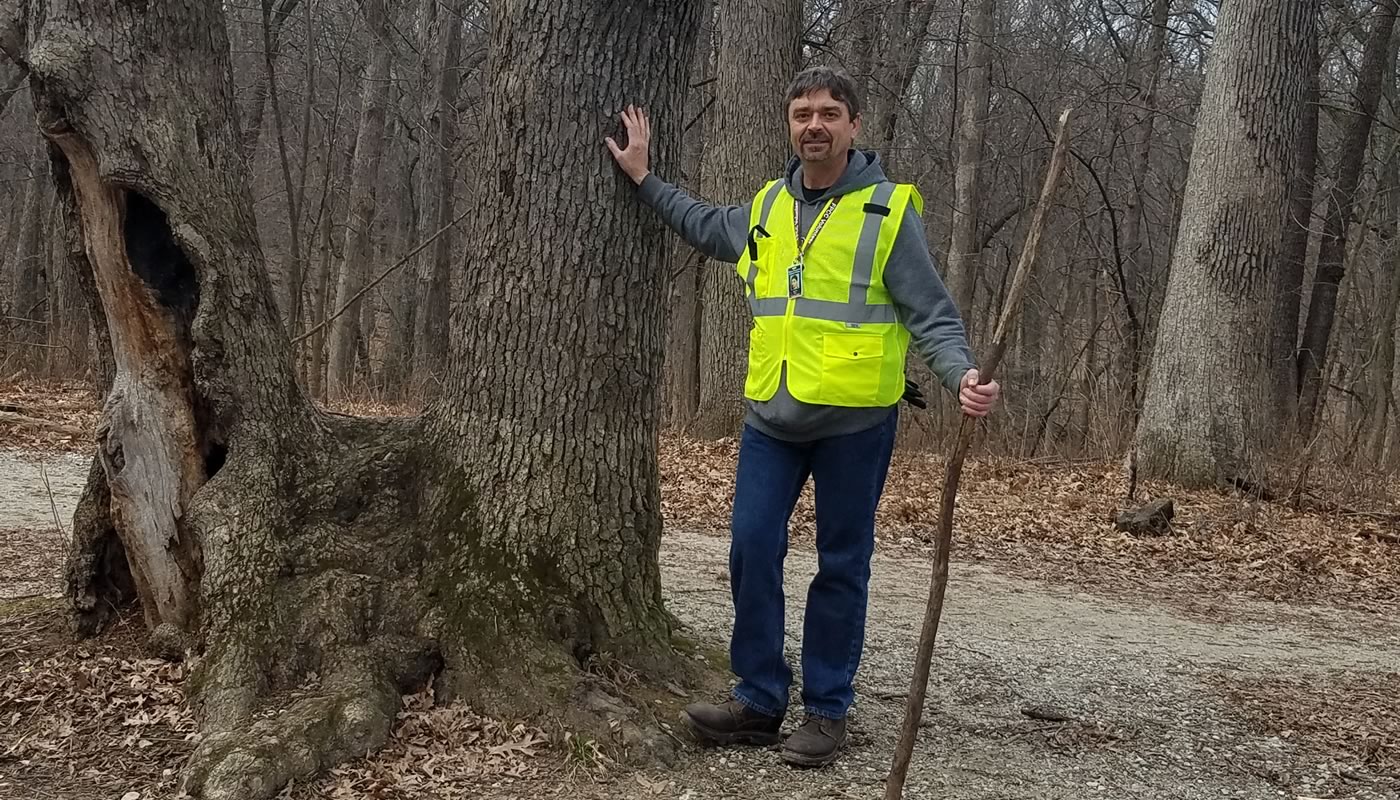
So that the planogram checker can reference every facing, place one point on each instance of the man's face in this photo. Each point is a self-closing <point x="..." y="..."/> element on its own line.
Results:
<point x="820" y="127"/>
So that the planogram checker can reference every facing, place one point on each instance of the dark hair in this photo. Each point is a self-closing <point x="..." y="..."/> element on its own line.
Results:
<point x="832" y="79"/>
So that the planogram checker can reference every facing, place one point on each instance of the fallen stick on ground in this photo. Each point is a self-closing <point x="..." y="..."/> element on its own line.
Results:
<point x="918" y="686"/>
<point x="24" y="421"/>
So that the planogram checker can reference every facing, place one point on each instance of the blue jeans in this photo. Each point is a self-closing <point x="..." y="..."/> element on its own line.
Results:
<point x="849" y="473"/>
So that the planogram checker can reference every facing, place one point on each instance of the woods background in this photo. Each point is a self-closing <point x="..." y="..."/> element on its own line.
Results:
<point x="361" y="122"/>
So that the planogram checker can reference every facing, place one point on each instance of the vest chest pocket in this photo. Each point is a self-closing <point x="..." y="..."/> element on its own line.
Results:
<point x="851" y="365"/>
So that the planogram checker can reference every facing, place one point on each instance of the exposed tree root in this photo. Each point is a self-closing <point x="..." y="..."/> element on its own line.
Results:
<point x="311" y="734"/>
<point x="323" y="607"/>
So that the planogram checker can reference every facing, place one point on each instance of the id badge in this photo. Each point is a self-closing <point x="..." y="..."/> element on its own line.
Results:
<point x="795" y="280"/>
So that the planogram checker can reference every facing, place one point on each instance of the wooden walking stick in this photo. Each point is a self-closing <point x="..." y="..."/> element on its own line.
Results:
<point x="918" y="686"/>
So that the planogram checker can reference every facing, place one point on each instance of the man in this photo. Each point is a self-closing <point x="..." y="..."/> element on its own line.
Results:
<point x="839" y="280"/>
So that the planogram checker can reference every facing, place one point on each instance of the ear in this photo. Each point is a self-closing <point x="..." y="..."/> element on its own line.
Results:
<point x="855" y="127"/>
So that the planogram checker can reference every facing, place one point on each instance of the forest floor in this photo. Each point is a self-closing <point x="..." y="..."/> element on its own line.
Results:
<point x="1254" y="652"/>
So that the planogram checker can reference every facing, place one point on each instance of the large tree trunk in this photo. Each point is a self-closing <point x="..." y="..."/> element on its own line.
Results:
<point x="1331" y="260"/>
<point x="964" y="252"/>
<point x="1205" y="417"/>
<point x="369" y="151"/>
<point x="758" y="55"/>
<point x="319" y="565"/>
<point x="1288" y="296"/>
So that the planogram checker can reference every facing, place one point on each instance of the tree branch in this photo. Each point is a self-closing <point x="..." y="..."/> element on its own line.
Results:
<point x="380" y="278"/>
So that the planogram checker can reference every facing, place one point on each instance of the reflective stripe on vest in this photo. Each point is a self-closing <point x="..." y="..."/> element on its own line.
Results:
<point x="840" y="343"/>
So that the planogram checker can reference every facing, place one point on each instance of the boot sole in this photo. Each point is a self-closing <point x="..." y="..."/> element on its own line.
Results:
<point x="813" y="762"/>
<point x="709" y="735"/>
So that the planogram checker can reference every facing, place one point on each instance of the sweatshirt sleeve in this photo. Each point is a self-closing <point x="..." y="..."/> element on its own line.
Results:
<point x="719" y="232"/>
<point x="924" y="306"/>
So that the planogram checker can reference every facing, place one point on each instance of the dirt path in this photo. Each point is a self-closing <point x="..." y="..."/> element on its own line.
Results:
<point x="1140" y="683"/>
<point x="24" y="497"/>
<point x="31" y="541"/>
<point x="1146" y="688"/>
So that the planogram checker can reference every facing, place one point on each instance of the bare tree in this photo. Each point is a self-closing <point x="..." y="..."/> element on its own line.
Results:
<point x="1204" y="417"/>
<point x="22" y="330"/>
<point x="345" y="329"/>
<point x="1331" y="265"/>
<point x="963" y="251"/>
<point x="1296" y="237"/>
<point x="430" y="346"/>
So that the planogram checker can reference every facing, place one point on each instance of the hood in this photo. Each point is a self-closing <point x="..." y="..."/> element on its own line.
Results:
<point x="862" y="169"/>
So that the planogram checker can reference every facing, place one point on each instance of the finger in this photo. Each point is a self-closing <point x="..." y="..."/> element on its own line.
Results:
<point x="646" y="124"/>
<point x="969" y="399"/>
<point x="629" y="123"/>
<point x="970" y="378"/>
<point x="975" y="409"/>
<point x="612" y="146"/>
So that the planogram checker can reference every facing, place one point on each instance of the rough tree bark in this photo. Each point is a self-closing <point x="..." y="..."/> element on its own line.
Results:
<point x="758" y="56"/>
<point x="963" y="250"/>
<point x="1204" y="418"/>
<point x="369" y="151"/>
<point x="1331" y="259"/>
<point x="501" y="539"/>
<point x="1288" y="296"/>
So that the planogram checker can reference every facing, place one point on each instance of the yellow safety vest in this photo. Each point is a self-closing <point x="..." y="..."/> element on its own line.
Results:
<point x="839" y="338"/>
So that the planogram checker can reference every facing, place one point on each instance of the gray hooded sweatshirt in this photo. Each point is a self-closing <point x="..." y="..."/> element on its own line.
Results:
<point x="921" y="301"/>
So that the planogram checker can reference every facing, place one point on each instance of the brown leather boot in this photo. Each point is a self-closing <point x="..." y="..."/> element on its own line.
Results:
<point x="732" y="723"/>
<point x="816" y="743"/>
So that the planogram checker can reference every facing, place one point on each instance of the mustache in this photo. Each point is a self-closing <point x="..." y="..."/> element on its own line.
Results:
<point x="815" y="137"/>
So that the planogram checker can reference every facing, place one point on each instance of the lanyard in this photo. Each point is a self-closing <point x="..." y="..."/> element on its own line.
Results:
<point x="803" y="244"/>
